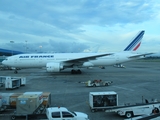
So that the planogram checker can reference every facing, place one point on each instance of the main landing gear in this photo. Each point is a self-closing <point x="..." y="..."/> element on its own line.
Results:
<point x="76" y="71"/>
<point x="15" y="71"/>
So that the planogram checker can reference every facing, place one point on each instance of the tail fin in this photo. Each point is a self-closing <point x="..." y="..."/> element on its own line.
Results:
<point x="136" y="42"/>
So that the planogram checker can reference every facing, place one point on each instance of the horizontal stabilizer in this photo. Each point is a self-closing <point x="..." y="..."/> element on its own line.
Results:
<point x="139" y="55"/>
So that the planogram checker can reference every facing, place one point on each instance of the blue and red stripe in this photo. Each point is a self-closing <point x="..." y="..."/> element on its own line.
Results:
<point x="134" y="45"/>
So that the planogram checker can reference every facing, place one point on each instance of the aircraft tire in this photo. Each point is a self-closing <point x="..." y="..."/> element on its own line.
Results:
<point x="15" y="71"/>
<point x="72" y="71"/>
<point x="76" y="71"/>
<point x="79" y="71"/>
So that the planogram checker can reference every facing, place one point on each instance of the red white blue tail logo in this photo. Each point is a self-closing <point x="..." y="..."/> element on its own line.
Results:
<point x="136" y="42"/>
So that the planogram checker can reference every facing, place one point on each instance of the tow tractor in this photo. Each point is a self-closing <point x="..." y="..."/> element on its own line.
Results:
<point x="96" y="83"/>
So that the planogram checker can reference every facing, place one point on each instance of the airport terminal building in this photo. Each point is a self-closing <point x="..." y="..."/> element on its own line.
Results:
<point x="4" y="53"/>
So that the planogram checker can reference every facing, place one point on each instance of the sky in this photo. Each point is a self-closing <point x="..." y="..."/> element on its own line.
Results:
<point x="78" y="25"/>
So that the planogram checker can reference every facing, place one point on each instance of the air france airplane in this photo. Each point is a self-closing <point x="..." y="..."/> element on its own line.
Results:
<point x="56" y="62"/>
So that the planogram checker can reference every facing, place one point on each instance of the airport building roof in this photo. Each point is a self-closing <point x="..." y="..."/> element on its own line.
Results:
<point x="5" y="52"/>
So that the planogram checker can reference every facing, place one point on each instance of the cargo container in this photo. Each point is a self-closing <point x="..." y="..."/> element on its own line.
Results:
<point x="12" y="83"/>
<point x="10" y="99"/>
<point x="39" y="94"/>
<point x="46" y="99"/>
<point x="2" y="81"/>
<point x="13" y="98"/>
<point x="102" y="100"/>
<point x="22" y="80"/>
<point x="2" y="108"/>
<point x="5" y="98"/>
<point x="27" y="104"/>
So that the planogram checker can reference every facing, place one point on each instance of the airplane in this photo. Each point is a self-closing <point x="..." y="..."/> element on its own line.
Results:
<point x="56" y="62"/>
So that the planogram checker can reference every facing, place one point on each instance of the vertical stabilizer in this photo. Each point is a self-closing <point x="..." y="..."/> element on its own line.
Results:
<point x="136" y="42"/>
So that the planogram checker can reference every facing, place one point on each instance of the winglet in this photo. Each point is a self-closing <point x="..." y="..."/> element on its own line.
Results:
<point x="136" y="42"/>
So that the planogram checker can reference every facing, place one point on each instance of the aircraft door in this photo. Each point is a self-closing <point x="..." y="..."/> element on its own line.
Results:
<point x="117" y="58"/>
<point x="16" y="61"/>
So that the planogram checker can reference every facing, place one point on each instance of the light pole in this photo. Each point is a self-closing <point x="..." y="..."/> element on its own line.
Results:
<point x="26" y="46"/>
<point x="12" y="46"/>
<point x="40" y="47"/>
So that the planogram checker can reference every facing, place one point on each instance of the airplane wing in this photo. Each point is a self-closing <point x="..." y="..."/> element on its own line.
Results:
<point x="139" y="55"/>
<point x="84" y="59"/>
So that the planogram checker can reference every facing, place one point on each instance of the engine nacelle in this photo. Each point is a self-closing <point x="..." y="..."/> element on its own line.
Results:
<point x="87" y="64"/>
<point x="54" y="67"/>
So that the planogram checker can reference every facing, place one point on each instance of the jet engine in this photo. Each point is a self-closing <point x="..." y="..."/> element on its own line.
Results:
<point x="87" y="64"/>
<point x="54" y="67"/>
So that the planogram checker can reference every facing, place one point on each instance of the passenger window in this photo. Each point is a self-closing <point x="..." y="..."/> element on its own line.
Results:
<point x="66" y="114"/>
<point x="55" y="114"/>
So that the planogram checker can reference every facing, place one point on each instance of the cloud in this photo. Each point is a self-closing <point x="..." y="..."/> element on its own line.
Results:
<point x="100" y="25"/>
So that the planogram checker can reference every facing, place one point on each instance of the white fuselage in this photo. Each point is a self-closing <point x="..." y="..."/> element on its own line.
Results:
<point x="40" y="60"/>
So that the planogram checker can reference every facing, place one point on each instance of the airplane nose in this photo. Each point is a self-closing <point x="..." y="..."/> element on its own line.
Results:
<point x="3" y="62"/>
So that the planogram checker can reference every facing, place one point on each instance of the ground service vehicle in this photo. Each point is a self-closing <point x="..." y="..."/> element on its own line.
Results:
<point x="27" y="104"/>
<point x="137" y="109"/>
<point x="9" y="82"/>
<point x="34" y="105"/>
<point x="96" y="83"/>
<point x="62" y="113"/>
<point x="102" y="100"/>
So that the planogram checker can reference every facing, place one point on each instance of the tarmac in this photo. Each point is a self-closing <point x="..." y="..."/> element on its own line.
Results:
<point x="136" y="82"/>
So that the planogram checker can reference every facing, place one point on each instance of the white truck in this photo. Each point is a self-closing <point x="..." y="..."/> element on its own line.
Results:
<point x="62" y="113"/>
<point x="51" y="113"/>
